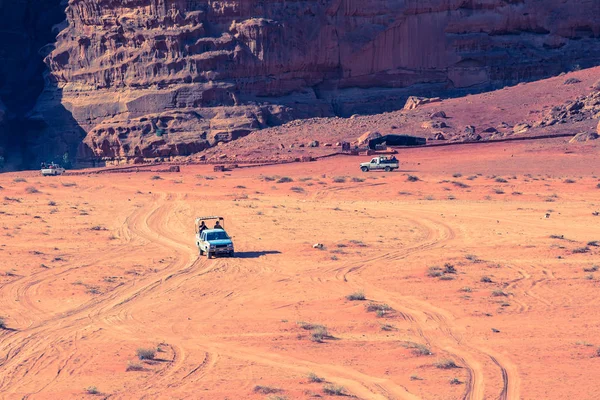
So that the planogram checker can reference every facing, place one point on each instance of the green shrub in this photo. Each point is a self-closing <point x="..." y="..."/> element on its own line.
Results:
<point x="312" y="377"/>
<point x="146" y="354"/>
<point x="446" y="364"/>
<point x="266" y="389"/>
<point x="92" y="390"/>
<point x="334" y="390"/>
<point x="356" y="296"/>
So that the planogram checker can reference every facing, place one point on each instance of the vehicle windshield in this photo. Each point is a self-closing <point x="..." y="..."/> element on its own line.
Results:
<point x="216" y="236"/>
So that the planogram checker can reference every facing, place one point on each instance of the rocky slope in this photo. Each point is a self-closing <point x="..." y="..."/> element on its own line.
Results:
<point x="146" y="78"/>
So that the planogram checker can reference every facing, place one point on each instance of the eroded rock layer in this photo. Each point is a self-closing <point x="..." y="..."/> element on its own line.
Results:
<point x="148" y="78"/>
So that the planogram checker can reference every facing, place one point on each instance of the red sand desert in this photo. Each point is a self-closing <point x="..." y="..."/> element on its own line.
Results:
<point x="480" y="279"/>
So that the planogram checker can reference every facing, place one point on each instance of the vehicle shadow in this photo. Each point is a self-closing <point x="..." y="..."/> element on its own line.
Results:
<point x="254" y="254"/>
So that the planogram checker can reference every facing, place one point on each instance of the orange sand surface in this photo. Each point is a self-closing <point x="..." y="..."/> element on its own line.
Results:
<point x="484" y="265"/>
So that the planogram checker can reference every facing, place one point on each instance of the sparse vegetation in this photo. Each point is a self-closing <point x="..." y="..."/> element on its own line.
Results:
<point x="334" y="390"/>
<point x="434" y="272"/>
<point x="388" y="327"/>
<point x="569" y="181"/>
<point x="499" y="293"/>
<point x="357" y="179"/>
<point x="455" y="381"/>
<point x="412" y="178"/>
<point x="155" y="177"/>
<point x="500" y="180"/>
<point x="339" y="179"/>
<point x="449" y="268"/>
<point x="266" y="389"/>
<point x="297" y="189"/>
<point x="69" y="184"/>
<point x="2" y="323"/>
<point x="31" y="190"/>
<point x="473" y="258"/>
<point x="418" y="349"/>
<point x="460" y="184"/>
<point x="134" y="366"/>
<point x="380" y="309"/>
<point x="498" y="191"/>
<point x="445" y="363"/>
<point x="593" y="243"/>
<point x="312" y="377"/>
<point x="593" y="268"/>
<point x="466" y="289"/>
<point x="19" y="180"/>
<point x="92" y="390"/>
<point x="285" y="179"/>
<point x="356" y="296"/>
<point x="486" y="279"/>
<point x="146" y="353"/>
<point x="580" y="250"/>
<point x="456" y="175"/>
<point x="415" y="377"/>
<point x="52" y="203"/>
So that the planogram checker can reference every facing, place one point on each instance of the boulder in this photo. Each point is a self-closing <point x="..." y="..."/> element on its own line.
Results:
<point x="521" y="128"/>
<point x="490" y="130"/>
<point x="365" y="137"/>
<point x="438" y="114"/>
<point x="439" y="136"/>
<point x="584" y="137"/>
<point x="469" y="129"/>
<point x="413" y="102"/>
<point x="434" y="125"/>
<point x="314" y="143"/>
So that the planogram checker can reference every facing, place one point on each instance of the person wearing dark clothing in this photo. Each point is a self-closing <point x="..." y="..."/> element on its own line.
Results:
<point x="218" y="225"/>
<point x="202" y="227"/>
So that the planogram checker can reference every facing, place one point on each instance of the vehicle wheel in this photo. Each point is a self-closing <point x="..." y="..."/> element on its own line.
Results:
<point x="201" y="252"/>
<point x="364" y="169"/>
<point x="387" y="169"/>
<point x="208" y="255"/>
<point x="231" y="254"/>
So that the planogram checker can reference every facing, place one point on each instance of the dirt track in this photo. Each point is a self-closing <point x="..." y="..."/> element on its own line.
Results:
<point x="112" y="267"/>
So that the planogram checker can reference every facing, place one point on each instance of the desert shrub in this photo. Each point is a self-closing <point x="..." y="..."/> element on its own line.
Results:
<point x="412" y="178"/>
<point x="557" y="236"/>
<point x="98" y="228"/>
<point x="593" y="268"/>
<point x="500" y="180"/>
<point x="357" y="179"/>
<point x="312" y="377"/>
<point x="472" y="177"/>
<point x="569" y="181"/>
<point x="466" y="289"/>
<point x="334" y="390"/>
<point x="429" y="198"/>
<point x="2" y="323"/>
<point x="357" y="243"/>
<point x="69" y="184"/>
<point x="472" y="258"/>
<point x="92" y="390"/>
<point x="319" y="334"/>
<point x="589" y="277"/>
<point x="134" y="366"/>
<point x="456" y="175"/>
<point x="517" y="193"/>
<point x="339" y="179"/>
<point x="445" y="363"/>
<point x="418" y="349"/>
<point x="51" y="203"/>
<point x="240" y="187"/>
<point x="387" y="327"/>
<point x="598" y="186"/>
<point x="580" y="250"/>
<point x="415" y="377"/>
<point x="499" y="293"/>
<point x="434" y="272"/>
<point x="356" y="296"/>
<point x="145" y="354"/>
<point x="404" y="193"/>
<point x="449" y="268"/>
<point x="277" y="397"/>
<point x="593" y="243"/>
<point x="18" y="180"/>
<point x="446" y="278"/>
<point x="598" y="352"/>
<point x="31" y="190"/>
<point x="381" y="310"/>
<point x="486" y="279"/>
<point x="285" y="179"/>
<point x="498" y="191"/>
<point x="266" y="389"/>
<point x="155" y="177"/>
<point x="455" y="381"/>
<point x="460" y="184"/>
<point x="297" y="189"/>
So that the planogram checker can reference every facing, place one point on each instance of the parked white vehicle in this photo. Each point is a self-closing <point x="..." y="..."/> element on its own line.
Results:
<point x="52" y="170"/>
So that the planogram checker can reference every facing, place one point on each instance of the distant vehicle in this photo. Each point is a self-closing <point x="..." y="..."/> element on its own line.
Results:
<point x="380" y="163"/>
<point x="213" y="242"/>
<point x="52" y="169"/>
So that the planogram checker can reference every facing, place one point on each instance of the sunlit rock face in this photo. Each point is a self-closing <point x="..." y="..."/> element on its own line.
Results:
<point x="148" y="78"/>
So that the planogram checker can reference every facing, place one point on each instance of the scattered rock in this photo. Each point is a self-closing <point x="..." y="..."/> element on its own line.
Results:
<point x="572" y="81"/>
<point x="469" y="129"/>
<point x="413" y="102"/>
<point x="490" y="130"/>
<point x="318" y="246"/>
<point x="328" y="145"/>
<point x="584" y="137"/>
<point x="439" y="136"/>
<point x="438" y="114"/>
<point x="314" y="143"/>
<point x="434" y="125"/>
<point x="596" y="85"/>
<point x="521" y="128"/>
<point x="473" y="138"/>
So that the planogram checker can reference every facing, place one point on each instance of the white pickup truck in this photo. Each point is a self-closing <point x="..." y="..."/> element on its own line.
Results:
<point x="52" y="170"/>
<point x="380" y="163"/>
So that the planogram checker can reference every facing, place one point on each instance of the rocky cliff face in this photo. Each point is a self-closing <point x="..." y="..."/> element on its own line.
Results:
<point x="147" y="78"/>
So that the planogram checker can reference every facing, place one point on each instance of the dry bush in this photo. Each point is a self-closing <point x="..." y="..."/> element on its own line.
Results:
<point x="334" y="390"/>
<point x="446" y="364"/>
<point x="356" y="296"/>
<point x="266" y="389"/>
<point x="145" y="353"/>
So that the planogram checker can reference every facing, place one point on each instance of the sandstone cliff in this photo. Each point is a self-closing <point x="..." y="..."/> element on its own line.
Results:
<point x="146" y="78"/>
